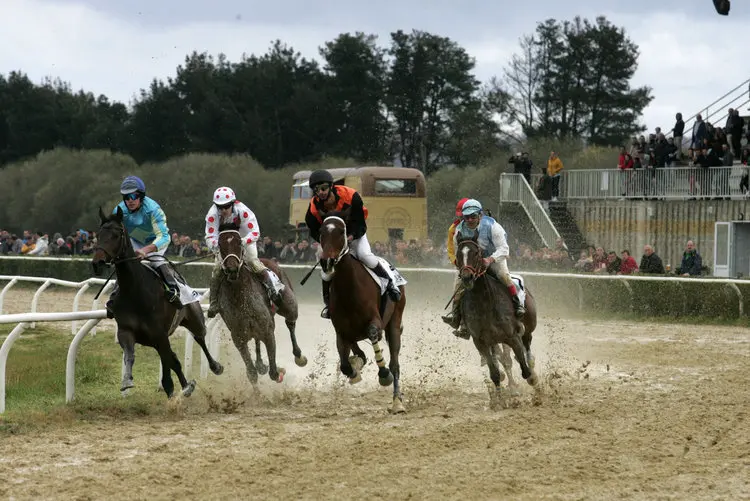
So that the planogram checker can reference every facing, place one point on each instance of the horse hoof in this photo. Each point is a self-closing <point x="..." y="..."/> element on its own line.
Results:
<point x="386" y="381"/>
<point x="356" y="379"/>
<point x="397" y="407"/>
<point x="280" y="378"/>
<point x="189" y="389"/>
<point x="125" y="392"/>
<point x="301" y="361"/>
<point x="533" y="380"/>
<point x="261" y="368"/>
<point x="217" y="369"/>
<point x="126" y="385"/>
<point x="356" y="363"/>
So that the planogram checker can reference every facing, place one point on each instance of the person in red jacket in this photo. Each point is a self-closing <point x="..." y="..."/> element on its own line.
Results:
<point x="628" y="266"/>
<point x="625" y="164"/>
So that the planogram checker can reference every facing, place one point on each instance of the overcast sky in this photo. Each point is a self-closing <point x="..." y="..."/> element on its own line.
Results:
<point x="689" y="54"/>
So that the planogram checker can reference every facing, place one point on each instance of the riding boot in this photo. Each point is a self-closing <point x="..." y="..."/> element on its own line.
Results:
<point x="326" y="298"/>
<point x="456" y="320"/>
<point x="213" y="307"/>
<point x="173" y="288"/>
<point x="393" y="292"/>
<point x="269" y="285"/>
<point x="520" y="310"/>
<point x="110" y="306"/>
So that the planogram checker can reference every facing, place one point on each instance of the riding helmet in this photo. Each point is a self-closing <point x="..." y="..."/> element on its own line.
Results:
<point x="460" y="206"/>
<point x="224" y="195"/>
<point x="319" y="177"/>
<point x="132" y="184"/>
<point x="471" y="206"/>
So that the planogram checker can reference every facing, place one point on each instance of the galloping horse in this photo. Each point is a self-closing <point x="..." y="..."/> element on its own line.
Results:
<point x="355" y="309"/>
<point x="141" y="309"/>
<point x="490" y="318"/>
<point x="247" y="311"/>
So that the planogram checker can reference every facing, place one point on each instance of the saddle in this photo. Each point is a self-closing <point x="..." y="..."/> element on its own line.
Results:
<point x="187" y="294"/>
<point x="396" y="277"/>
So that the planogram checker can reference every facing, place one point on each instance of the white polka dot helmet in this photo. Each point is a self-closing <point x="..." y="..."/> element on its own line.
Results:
<point x="223" y="196"/>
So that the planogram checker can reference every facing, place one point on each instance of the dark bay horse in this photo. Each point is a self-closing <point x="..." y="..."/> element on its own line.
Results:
<point x="141" y="309"/>
<point x="247" y="310"/>
<point x="355" y="309"/>
<point x="489" y="315"/>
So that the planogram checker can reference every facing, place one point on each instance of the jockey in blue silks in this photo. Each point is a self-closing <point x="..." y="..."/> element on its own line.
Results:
<point x="147" y="228"/>
<point x="493" y="242"/>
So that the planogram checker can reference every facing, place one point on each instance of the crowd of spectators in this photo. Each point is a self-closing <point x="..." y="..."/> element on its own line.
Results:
<point x="399" y="252"/>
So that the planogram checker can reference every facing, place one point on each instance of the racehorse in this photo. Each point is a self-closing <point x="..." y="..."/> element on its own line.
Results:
<point x="358" y="311"/>
<point x="248" y="312"/>
<point x="490" y="319"/>
<point x="141" y="309"/>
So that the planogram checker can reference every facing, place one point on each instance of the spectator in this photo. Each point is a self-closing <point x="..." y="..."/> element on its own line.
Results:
<point x="628" y="266"/>
<point x="691" y="261"/>
<point x="584" y="263"/>
<point x="554" y="169"/>
<point x="304" y="253"/>
<point x="41" y="247"/>
<point x="734" y="133"/>
<point x="174" y="245"/>
<point x="625" y="164"/>
<point x="522" y="165"/>
<point x="651" y="262"/>
<point x="678" y="131"/>
<point x="613" y="263"/>
<point x="700" y="132"/>
<point x="288" y="252"/>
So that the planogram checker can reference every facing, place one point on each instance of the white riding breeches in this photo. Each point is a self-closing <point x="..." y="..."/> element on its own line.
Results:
<point x="360" y="248"/>
<point x="156" y="259"/>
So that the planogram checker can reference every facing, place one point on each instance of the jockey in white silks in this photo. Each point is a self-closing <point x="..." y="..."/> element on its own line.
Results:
<point x="226" y="209"/>
<point x="493" y="242"/>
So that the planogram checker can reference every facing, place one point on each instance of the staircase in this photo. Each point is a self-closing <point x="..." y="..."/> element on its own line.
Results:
<point x="515" y="190"/>
<point x="567" y="226"/>
<point x="516" y="223"/>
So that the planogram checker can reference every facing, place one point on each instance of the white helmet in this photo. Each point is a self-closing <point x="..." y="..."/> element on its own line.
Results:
<point x="471" y="206"/>
<point x="223" y="196"/>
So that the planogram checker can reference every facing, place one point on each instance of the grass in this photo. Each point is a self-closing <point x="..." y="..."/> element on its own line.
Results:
<point x="35" y="380"/>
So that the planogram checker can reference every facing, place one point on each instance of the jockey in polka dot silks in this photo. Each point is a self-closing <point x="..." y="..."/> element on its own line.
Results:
<point x="227" y="209"/>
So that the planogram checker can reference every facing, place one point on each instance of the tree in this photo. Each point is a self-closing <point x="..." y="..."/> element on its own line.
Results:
<point x="572" y="80"/>
<point x="430" y="81"/>
<point x="357" y="70"/>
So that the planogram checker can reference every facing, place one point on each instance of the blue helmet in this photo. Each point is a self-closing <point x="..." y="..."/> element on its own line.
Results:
<point x="132" y="184"/>
<point x="471" y="206"/>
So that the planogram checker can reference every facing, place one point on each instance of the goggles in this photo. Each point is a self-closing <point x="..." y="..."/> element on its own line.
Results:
<point x="131" y="196"/>
<point x="321" y="187"/>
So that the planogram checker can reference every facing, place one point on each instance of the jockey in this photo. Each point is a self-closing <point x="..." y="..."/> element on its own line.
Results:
<point x="458" y="291"/>
<point x="147" y="228"/>
<point x="494" y="244"/>
<point x="328" y="198"/>
<point x="227" y="209"/>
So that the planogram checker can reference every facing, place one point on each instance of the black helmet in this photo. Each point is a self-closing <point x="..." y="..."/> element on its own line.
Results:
<point x="320" y="176"/>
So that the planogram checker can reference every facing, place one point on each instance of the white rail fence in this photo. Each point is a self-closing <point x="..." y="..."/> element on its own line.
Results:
<point x="27" y="320"/>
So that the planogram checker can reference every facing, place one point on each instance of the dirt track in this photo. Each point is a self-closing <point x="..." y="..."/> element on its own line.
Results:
<point x="660" y="412"/>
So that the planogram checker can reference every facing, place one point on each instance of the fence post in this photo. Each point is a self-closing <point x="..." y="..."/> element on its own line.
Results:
<point x="76" y="302"/>
<point x="6" y="289"/>
<point x="35" y="300"/>
<point x="4" y="349"/>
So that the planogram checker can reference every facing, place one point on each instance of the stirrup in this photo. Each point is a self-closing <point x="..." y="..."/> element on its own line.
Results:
<point x="110" y="309"/>
<point x="325" y="313"/>
<point x="462" y="332"/>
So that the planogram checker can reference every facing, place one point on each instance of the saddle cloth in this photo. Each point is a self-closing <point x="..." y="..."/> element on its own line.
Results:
<point x="187" y="294"/>
<point x="518" y="280"/>
<point x="398" y="280"/>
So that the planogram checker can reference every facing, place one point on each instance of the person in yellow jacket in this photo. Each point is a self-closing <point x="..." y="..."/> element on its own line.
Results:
<point x="554" y="169"/>
<point x="451" y="245"/>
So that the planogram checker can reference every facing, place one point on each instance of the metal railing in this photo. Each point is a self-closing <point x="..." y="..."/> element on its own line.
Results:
<point x="515" y="188"/>
<point x="661" y="183"/>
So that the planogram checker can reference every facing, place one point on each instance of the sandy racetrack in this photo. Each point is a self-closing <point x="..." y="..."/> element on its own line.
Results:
<point x="630" y="411"/>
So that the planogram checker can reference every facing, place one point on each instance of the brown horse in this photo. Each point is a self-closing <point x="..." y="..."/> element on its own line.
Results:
<point x="247" y="310"/>
<point x="357" y="310"/>
<point x="490" y="319"/>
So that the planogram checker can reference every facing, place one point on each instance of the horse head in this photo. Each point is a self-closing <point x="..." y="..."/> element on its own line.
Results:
<point x="469" y="259"/>
<point x="112" y="241"/>
<point x="334" y="243"/>
<point x="231" y="250"/>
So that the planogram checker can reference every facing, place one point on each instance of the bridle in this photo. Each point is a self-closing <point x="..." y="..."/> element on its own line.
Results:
<point x="479" y="269"/>
<point x="114" y="259"/>
<point x="344" y="250"/>
<point x="240" y="259"/>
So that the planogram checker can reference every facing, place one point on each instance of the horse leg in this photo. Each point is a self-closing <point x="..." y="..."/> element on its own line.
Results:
<point x="195" y="322"/>
<point x="276" y="374"/>
<point x="507" y="362"/>
<point x="127" y="343"/>
<point x="165" y="355"/>
<point x="299" y="358"/>
<point x="343" y="347"/>
<point x="187" y="386"/>
<point x="385" y="377"/>
<point x="358" y="359"/>
<point x="520" y="351"/>
<point x="252" y="373"/>
<point x="496" y="391"/>
<point x="394" y="331"/>
<point x="526" y="339"/>
<point x="260" y="367"/>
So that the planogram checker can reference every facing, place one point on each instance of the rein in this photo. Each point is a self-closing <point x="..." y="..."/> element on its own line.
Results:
<point x="345" y="249"/>
<point x="478" y="270"/>
<point x="240" y="258"/>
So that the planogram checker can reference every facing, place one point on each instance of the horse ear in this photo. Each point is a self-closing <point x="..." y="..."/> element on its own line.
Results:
<point x="102" y="217"/>
<point x="118" y="214"/>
